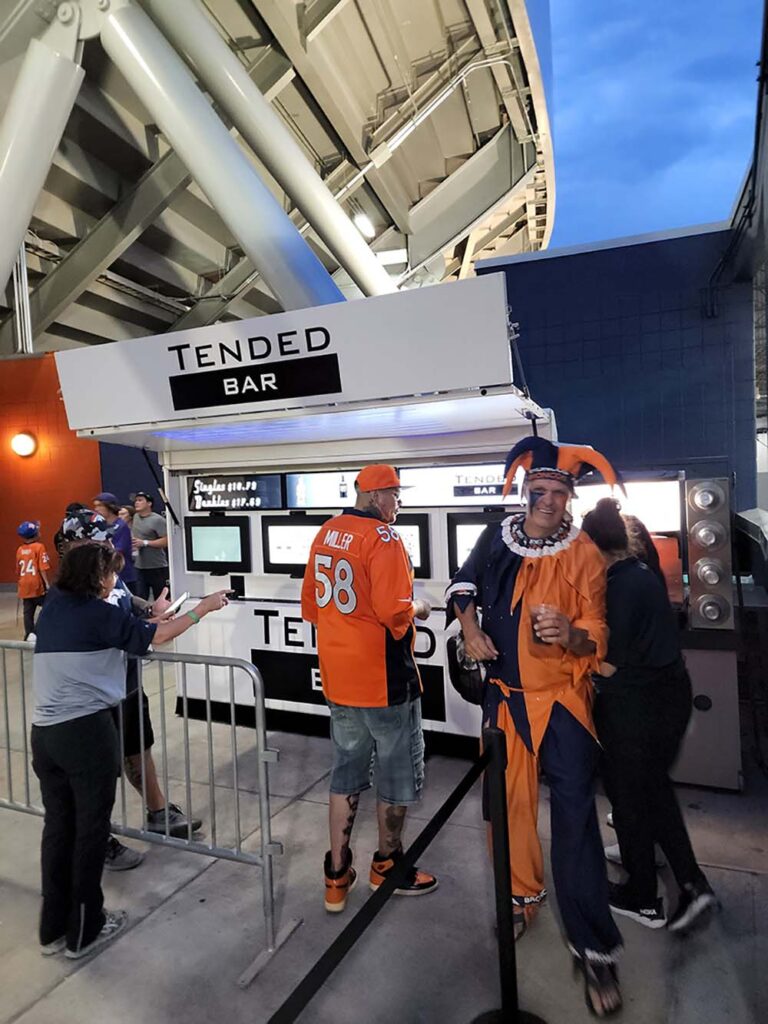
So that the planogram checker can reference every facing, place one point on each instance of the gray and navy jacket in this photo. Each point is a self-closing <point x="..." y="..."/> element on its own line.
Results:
<point x="79" y="663"/>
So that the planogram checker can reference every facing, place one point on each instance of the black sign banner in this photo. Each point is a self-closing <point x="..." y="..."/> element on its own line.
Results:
<point x="267" y="382"/>
<point x="234" y="493"/>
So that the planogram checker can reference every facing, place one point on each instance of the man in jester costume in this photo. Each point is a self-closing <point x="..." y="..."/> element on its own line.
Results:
<point x="540" y="583"/>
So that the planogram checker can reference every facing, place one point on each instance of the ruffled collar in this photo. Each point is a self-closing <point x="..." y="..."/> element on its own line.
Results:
<point x="518" y="541"/>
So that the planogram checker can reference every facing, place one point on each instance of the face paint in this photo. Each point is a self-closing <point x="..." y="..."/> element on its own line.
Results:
<point x="533" y="497"/>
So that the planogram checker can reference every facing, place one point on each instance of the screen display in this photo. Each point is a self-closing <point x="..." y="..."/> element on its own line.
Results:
<point x="289" y="545"/>
<point x="434" y="486"/>
<point x="216" y="544"/>
<point x="234" y="493"/>
<point x="655" y="502"/>
<point x="466" y="538"/>
<point x="410" y="536"/>
<point x="320" y="490"/>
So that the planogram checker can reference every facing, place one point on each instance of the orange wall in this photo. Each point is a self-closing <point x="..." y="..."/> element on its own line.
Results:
<point x="63" y="469"/>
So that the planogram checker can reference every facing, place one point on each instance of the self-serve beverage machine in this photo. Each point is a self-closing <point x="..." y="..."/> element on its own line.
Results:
<point x="261" y="427"/>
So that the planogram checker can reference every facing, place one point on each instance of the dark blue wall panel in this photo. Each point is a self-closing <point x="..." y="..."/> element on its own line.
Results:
<point x="617" y="342"/>
<point x="124" y="471"/>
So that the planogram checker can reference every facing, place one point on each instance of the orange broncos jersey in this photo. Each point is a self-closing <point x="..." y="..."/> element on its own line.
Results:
<point x="30" y="559"/>
<point x="358" y="590"/>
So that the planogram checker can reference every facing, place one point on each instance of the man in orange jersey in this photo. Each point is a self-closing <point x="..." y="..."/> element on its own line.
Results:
<point x="32" y="567"/>
<point x="358" y="591"/>
<point x="541" y="586"/>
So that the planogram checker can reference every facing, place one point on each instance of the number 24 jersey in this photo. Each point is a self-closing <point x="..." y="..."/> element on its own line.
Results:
<point x="358" y="590"/>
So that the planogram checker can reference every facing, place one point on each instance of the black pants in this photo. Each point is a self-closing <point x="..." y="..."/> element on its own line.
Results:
<point x="77" y="763"/>
<point x="641" y="730"/>
<point x="30" y="606"/>
<point x="151" y="580"/>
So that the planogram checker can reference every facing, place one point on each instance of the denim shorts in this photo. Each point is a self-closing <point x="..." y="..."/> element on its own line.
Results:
<point x="387" y="743"/>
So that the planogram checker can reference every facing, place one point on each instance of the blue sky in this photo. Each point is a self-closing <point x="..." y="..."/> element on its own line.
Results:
<point x="654" y="112"/>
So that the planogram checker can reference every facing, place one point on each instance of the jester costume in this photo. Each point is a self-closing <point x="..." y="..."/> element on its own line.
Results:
<point x="540" y="694"/>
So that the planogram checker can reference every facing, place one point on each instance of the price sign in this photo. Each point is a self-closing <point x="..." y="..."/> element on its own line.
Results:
<point x="255" y="491"/>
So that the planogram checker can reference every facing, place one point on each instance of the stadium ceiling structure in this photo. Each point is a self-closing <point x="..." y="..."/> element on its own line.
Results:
<point x="425" y="120"/>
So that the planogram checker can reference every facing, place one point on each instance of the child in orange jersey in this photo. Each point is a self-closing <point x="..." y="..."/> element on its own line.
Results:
<point x="32" y="567"/>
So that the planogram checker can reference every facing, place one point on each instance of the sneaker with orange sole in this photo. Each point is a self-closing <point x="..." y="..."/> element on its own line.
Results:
<point x="338" y="884"/>
<point x="417" y="883"/>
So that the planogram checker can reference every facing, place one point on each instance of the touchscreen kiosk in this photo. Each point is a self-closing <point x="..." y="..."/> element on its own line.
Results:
<point x="413" y="528"/>
<point x="463" y="530"/>
<point x="286" y="541"/>
<point x="218" y="544"/>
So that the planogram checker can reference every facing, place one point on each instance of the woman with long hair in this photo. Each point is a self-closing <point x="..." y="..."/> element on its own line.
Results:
<point x="641" y="711"/>
<point x="79" y="677"/>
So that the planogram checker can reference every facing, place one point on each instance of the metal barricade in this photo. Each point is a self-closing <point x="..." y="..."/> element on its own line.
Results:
<point x="17" y="700"/>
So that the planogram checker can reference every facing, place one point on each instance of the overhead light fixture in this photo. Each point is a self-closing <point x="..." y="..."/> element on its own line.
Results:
<point x="363" y="224"/>
<point x="24" y="444"/>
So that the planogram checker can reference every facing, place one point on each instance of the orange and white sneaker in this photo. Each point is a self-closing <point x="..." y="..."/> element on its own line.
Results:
<point x="417" y="883"/>
<point x="338" y="884"/>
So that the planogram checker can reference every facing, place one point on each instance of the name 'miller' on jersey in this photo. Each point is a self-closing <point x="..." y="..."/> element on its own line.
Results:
<point x="358" y="591"/>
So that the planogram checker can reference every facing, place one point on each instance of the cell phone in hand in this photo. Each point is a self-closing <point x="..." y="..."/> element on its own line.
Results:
<point x="175" y="605"/>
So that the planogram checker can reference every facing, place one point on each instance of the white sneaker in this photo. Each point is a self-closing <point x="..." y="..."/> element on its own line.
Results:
<point x="115" y="921"/>
<point x="613" y="854"/>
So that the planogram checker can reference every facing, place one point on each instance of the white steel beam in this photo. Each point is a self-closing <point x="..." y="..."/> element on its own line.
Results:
<point x="214" y="159"/>
<point x="34" y="121"/>
<point x="191" y="31"/>
<point x="114" y="233"/>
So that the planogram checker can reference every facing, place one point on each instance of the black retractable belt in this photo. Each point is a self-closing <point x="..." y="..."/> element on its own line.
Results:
<point x="494" y="757"/>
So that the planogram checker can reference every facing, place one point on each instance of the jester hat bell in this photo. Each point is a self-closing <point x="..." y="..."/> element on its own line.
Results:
<point x="565" y="462"/>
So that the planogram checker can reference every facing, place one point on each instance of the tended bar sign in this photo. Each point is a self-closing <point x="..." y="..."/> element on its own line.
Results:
<point x="264" y="382"/>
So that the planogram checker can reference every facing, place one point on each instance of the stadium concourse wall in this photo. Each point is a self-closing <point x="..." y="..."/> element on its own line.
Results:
<point x="638" y="355"/>
<point x="64" y="468"/>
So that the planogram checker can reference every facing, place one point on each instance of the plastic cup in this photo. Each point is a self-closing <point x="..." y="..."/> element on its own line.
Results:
<point x="538" y="610"/>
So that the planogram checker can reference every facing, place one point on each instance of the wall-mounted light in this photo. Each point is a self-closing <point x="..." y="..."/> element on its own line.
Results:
<point x="24" y="444"/>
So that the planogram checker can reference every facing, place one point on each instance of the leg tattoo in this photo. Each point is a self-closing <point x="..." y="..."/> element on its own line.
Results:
<point x="352" y="801"/>
<point x="391" y="828"/>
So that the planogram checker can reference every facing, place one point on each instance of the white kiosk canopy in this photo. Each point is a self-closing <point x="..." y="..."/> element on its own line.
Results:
<point x="419" y="364"/>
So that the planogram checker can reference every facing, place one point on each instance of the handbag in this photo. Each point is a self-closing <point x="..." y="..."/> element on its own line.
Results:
<point x="467" y="675"/>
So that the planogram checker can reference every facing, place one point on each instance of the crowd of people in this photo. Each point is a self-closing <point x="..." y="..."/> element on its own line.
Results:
<point x="582" y="672"/>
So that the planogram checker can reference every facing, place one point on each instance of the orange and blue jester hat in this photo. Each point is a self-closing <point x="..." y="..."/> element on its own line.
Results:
<point x="565" y="462"/>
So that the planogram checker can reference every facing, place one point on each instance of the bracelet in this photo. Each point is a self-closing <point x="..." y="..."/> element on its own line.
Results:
<point x="194" y="616"/>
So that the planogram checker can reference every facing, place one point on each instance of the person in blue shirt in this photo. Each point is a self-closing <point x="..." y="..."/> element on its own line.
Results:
<point x="107" y="505"/>
<point x="79" y="677"/>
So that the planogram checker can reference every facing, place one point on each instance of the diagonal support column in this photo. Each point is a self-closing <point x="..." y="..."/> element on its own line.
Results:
<point x="40" y="105"/>
<point x="253" y="215"/>
<point x="116" y="231"/>
<point x="191" y="31"/>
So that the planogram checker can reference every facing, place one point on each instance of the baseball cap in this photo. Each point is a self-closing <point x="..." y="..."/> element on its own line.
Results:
<point x="27" y="529"/>
<point x="85" y="524"/>
<point x="377" y="478"/>
<point x="143" y="494"/>
<point x="107" y="497"/>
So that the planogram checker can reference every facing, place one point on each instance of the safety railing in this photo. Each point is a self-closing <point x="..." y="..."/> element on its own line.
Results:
<point x="130" y="815"/>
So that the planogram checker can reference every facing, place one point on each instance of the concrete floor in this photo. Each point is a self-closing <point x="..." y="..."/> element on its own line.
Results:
<point x="196" y="923"/>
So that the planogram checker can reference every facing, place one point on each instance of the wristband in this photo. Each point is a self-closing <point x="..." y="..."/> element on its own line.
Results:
<point x="145" y="543"/>
<point x="195" y="618"/>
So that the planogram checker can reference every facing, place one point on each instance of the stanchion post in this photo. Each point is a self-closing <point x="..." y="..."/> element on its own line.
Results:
<point x="495" y="742"/>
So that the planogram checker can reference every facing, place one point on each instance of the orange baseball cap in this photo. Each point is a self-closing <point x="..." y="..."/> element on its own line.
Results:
<point x="377" y="478"/>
